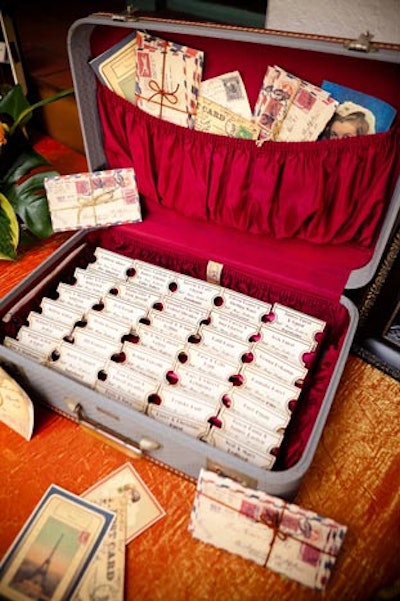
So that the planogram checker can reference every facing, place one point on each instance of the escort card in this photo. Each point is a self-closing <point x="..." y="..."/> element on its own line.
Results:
<point x="236" y="328"/>
<point x="170" y="326"/>
<point x="199" y="383"/>
<point x="60" y="313"/>
<point x="195" y="291"/>
<point x="158" y="342"/>
<point x="77" y="364"/>
<point x="105" y="326"/>
<point x="221" y="344"/>
<point x="295" y="323"/>
<point x="149" y="363"/>
<point x="122" y="310"/>
<point x="187" y="406"/>
<point x="247" y="308"/>
<point x="271" y="365"/>
<point x="230" y="443"/>
<point x="94" y="344"/>
<point x="127" y="385"/>
<point x="210" y="363"/>
<point x="36" y="354"/>
<point x="264" y="387"/>
<point x="112" y="263"/>
<point x="133" y="293"/>
<point x="287" y="347"/>
<point x="246" y="406"/>
<point x="153" y="277"/>
<point x="46" y="326"/>
<point x="73" y="296"/>
<point x="92" y="281"/>
<point x="189" y="312"/>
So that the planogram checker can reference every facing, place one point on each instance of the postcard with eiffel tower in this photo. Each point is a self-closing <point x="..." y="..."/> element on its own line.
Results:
<point x="53" y="550"/>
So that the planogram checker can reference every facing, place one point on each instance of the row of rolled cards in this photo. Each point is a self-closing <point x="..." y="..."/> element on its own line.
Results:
<point x="219" y="365"/>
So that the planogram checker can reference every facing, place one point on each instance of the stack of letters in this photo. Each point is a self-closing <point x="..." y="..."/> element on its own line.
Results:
<point x="165" y="79"/>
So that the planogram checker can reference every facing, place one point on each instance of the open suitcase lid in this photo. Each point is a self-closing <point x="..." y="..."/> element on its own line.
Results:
<point x="325" y="266"/>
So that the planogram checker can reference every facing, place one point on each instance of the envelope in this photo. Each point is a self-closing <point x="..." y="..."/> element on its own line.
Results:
<point x="168" y="76"/>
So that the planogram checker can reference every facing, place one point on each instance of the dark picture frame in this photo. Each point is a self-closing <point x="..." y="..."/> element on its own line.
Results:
<point x="377" y="340"/>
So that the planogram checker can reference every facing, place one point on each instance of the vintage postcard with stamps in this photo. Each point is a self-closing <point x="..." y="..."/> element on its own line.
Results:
<point x="55" y="547"/>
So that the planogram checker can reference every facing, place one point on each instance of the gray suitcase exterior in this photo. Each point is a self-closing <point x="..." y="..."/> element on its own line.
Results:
<point x="172" y="448"/>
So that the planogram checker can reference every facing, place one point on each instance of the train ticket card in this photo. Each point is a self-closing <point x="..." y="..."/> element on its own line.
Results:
<point x="289" y="373"/>
<point x="110" y="262"/>
<point x="54" y="548"/>
<point x="188" y="406"/>
<point x="47" y="326"/>
<point x="291" y="349"/>
<point x="122" y="310"/>
<point x="210" y="363"/>
<point x="195" y="291"/>
<point x="188" y="425"/>
<point x="232" y="444"/>
<point x="187" y="311"/>
<point x="158" y="342"/>
<point x="36" y="354"/>
<point x="200" y="383"/>
<point x="92" y="343"/>
<point x="75" y="297"/>
<point x="277" y="394"/>
<point x="219" y="343"/>
<point x="93" y="281"/>
<point x="76" y="363"/>
<point x="295" y="323"/>
<point x="171" y="326"/>
<point x="243" y="307"/>
<point x="133" y="293"/>
<point x="59" y="312"/>
<point x="153" y="277"/>
<point x="34" y="339"/>
<point x="151" y="364"/>
<point x="249" y="407"/>
<point x="105" y="326"/>
<point x="126" y="385"/>
<point x="227" y="324"/>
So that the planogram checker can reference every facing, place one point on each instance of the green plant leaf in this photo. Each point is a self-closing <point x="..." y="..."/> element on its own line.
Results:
<point x="13" y="103"/>
<point x="29" y="201"/>
<point x="25" y="163"/>
<point x="9" y="230"/>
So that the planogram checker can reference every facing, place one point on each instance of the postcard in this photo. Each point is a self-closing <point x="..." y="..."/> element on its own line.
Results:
<point x="229" y="91"/>
<point x="282" y="537"/>
<point x="116" y="67"/>
<point x="54" y="548"/>
<point x="378" y="113"/>
<point x="93" y="199"/>
<point x="214" y="118"/>
<point x="143" y="509"/>
<point x="105" y="576"/>
<point x="16" y="408"/>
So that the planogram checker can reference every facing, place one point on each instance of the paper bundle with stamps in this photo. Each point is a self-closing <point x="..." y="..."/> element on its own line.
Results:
<point x="289" y="109"/>
<point x="283" y="537"/>
<point x="168" y="76"/>
<point x="93" y="199"/>
<point x="217" y="364"/>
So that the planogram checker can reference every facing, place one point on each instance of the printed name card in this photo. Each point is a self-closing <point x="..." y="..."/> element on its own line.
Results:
<point x="280" y="536"/>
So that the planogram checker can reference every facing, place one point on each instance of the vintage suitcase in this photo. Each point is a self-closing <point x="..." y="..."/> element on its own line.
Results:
<point x="290" y="222"/>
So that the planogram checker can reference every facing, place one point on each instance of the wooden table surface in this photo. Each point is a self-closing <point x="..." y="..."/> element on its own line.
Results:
<point x="353" y="479"/>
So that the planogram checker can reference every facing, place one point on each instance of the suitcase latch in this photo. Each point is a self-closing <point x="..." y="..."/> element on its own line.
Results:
<point x="362" y="44"/>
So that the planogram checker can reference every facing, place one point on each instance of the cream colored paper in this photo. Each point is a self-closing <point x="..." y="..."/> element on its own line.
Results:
<point x="229" y="91"/>
<point x="16" y="408"/>
<point x="216" y="119"/>
<point x="116" y="67"/>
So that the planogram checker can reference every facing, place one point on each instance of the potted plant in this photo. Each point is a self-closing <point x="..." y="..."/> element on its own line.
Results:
<point x="24" y="211"/>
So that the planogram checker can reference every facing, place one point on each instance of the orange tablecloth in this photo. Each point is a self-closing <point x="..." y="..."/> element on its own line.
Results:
<point x="354" y="479"/>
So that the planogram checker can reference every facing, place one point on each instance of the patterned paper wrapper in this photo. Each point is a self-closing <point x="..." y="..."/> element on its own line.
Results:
<point x="281" y="536"/>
